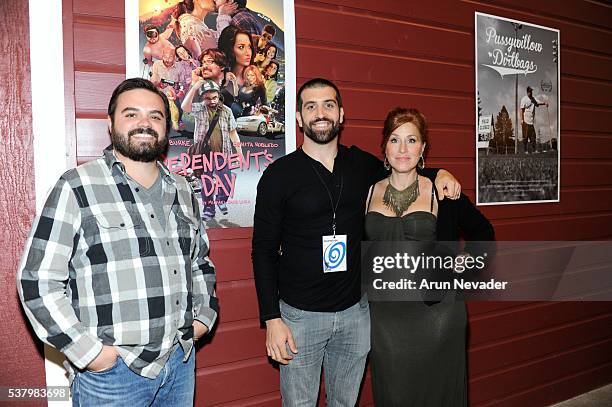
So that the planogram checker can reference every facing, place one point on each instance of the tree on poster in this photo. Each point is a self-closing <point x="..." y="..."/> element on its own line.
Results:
<point x="517" y="82"/>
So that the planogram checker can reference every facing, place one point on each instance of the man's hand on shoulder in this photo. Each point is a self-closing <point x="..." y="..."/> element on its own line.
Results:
<point x="278" y="335"/>
<point x="447" y="185"/>
<point x="105" y="359"/>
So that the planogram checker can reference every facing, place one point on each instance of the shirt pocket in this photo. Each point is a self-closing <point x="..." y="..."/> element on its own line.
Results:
<point x="121" y="233"/>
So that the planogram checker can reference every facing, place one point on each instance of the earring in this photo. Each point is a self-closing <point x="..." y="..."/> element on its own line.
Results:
<point x="386" y="164"/>
<point x="423" y="165"/>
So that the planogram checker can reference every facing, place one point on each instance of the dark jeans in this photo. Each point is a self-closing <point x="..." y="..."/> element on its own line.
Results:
<point x="529" y="137"/>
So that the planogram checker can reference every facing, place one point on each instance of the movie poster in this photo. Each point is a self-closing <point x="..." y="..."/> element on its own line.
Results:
<point x="228" y="69"/>
<point x="517" y="109"/>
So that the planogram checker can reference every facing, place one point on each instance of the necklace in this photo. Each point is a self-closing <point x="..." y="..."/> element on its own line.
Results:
<point x="399" y="201"/>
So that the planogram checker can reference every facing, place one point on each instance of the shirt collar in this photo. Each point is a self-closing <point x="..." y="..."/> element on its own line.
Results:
<point x="111" y="161"/>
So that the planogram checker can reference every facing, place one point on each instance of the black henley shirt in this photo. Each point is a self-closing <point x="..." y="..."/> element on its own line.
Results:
<point x="293" y="212"/>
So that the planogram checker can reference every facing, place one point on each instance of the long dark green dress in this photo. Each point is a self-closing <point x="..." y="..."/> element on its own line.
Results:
<point x="418" y="355"/>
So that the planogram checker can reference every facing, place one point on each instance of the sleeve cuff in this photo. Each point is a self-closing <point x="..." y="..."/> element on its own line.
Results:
<point x="207" y="316"/>
<point x="82" y="352"/>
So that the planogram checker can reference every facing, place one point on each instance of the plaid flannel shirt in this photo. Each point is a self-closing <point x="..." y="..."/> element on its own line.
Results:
<point x="226" y="123"/>
<point x="244" y="19"/>
<point x="98" y="268"/>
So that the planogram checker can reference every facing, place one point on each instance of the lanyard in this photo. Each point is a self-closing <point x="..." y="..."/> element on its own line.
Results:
<point x="329" y="194"/>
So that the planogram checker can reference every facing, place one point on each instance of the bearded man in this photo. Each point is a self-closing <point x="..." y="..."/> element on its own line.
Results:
<point x="310" y="203"/>
<point x="115" y="272"/>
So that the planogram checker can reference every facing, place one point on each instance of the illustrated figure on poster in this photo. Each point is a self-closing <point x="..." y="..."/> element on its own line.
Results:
<point x="215" y="132"/>
<point x="270" y="75"/>
<point x="190" y="27"/>
<point x="263" y="59"/>
<point x="168" y="73"/>
<point x="183" y="56"/>
<point x="261" y="41"/>
<point x="237" y="46"/>
<point x="528" y="115"/>
<point x="156" y="42"/>
<point x="213" y="66"/>
<point x="216" y="40"/>
<point x="252" y="94"/>
<point x="243" y="17"/>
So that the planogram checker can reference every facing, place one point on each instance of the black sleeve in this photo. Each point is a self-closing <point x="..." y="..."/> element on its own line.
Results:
<point x="472" y="222"/>
<point x="430" y="173"/>
<point x="475" y="226"/>
<point x="373" y="168"/>
<point x="261" y="95"/>
<point x="266" y="242"/>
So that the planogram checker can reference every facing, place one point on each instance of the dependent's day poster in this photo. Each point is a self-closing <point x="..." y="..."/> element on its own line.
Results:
<point x="249" y="53"/>
<point x="517" y="111"/>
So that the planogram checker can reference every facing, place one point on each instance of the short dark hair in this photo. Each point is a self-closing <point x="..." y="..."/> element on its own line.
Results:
<point x="317" y="83"/>
<point x="269" y="29"/>
<point x="138" y="83"/>
<point x="241" y="3"/>
<point x="216" y="55"/>
<point x="149" y="27"/>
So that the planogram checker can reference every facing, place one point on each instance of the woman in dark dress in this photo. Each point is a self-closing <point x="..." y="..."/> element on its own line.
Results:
<point x="418" y="350"/>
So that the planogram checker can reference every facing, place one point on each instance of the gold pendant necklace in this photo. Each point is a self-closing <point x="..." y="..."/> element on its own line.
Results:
<point x="399" y="201"/>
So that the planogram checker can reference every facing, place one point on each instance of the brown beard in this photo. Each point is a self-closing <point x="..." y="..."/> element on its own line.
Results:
<point x="142" y="152"/>
<point x="322" y="137"/>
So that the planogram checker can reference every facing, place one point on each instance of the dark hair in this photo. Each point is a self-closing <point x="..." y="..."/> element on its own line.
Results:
<point x="267" y="47"/>
<point x="150" y="27"/>
<point x="182" y="7"/>
<point x="226" y="43"/>
<point x="273" y="62"/>
<point x="241" y="3"/>
<point x="216" y="55"/>
<point x="399" y="116"/>
<point x="269" y="29"/>
<point x="176" y="52"/>
<point x="138" y="83"/>
<point x="317" y="83"/>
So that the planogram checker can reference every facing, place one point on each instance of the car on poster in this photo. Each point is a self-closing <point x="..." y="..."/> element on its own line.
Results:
<point x="263" y="124"/>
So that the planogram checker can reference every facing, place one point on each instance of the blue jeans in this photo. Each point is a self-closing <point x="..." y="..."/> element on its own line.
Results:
<point x="119" y="386"/>
<point x="340" y="341"/>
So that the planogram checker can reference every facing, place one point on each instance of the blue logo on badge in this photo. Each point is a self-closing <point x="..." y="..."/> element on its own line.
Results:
<point x="334" y="255"/>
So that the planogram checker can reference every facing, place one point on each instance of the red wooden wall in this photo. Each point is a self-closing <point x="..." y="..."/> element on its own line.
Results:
<point x="385" y="53"/>
<point x="21" y="361"/>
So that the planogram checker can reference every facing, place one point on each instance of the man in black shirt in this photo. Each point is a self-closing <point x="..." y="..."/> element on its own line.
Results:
<point x="307" y="230"/>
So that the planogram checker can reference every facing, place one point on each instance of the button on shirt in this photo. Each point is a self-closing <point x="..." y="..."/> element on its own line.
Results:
<point x="99" y="268"/>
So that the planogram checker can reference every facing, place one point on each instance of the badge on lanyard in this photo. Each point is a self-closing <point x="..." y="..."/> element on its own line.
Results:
<point x="334" y="246"/>
<point x="334" y="253"/>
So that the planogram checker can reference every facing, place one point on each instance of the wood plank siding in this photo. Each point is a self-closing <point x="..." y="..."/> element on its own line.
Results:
<point x="383" y="54"/>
